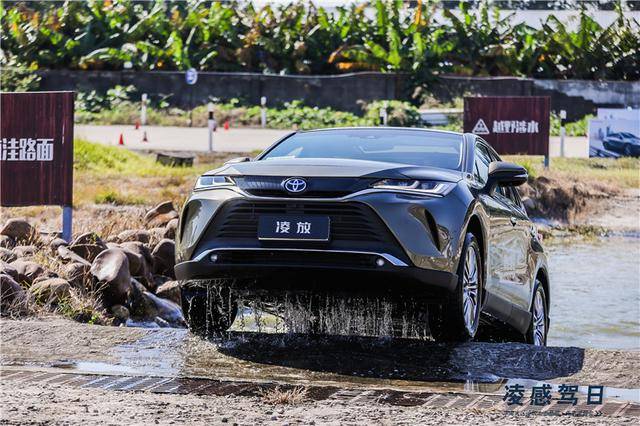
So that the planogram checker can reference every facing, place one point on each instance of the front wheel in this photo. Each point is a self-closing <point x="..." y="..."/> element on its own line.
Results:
<point x="539" y="326"/>
<point x="458" y="318"/>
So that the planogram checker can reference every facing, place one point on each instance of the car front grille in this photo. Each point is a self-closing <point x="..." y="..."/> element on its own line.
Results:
<point x="318" y="187"/>
<point x="350" y="221"/>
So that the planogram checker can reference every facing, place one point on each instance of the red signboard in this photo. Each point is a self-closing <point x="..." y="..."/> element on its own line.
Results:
<point x="36" y="148"/>
<point x="511" y="124"/>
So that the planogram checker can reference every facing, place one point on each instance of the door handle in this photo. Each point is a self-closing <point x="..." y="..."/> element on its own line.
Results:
<point x="513" y="220"/>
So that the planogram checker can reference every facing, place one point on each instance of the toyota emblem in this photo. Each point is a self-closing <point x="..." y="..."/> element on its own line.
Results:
<point x="294" y="185"/>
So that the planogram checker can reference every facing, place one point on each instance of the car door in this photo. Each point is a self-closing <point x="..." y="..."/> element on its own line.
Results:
<point x="515" y="283"/>
<point x="500" y="233"/>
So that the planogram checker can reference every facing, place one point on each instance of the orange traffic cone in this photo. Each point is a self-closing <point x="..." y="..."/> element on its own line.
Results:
<point x="121" y="141"/>
<point x="144" y="137"/>
<point x="226" y="125"/>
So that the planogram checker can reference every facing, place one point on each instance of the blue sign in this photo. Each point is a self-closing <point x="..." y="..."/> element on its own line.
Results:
<point x="191" y="76"/>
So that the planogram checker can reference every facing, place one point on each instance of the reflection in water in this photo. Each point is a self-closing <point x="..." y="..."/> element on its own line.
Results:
<point x="595" y="294"/>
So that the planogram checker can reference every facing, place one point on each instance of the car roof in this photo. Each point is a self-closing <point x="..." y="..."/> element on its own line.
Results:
<point x="381" y="128"/>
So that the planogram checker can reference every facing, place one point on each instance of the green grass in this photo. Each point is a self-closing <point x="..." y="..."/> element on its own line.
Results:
<point x="621" y="172"/>
<point x="112" y="196"/>
<point x="112" y="160"/>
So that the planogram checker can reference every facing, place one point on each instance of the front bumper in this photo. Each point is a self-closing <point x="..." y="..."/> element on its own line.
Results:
<point x="399" y="238"/>
<point x="308" y="268"/>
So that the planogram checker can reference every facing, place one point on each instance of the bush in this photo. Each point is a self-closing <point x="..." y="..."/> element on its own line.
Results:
<point x="15" y="77"/>
<point x="301" y="38"/>
<point x="399" y="113"/>
<point x="576" y="128"/>
<point x="296" y="115"/>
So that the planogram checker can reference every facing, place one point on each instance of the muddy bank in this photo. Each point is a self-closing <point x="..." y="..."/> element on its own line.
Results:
<point x="342" y="361"/>
<point x="582" y="207"/>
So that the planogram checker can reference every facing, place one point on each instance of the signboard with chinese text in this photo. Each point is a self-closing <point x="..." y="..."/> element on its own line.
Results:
<point x="511" y="124"/>
<point x="36" y="148"/>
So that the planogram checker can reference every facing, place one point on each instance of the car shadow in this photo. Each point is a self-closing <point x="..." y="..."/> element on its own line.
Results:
<point x="404" y="359"/>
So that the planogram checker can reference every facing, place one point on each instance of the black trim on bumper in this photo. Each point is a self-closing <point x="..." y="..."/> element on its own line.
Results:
<point x="359" y="268"/>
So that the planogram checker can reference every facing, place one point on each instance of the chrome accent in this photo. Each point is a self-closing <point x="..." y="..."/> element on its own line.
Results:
<point x="389" y="258"/>
<point x="344" y="198"/>
<point x="294" y="185"/>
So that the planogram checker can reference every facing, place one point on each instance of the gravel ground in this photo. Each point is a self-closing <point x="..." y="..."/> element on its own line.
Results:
<point x="51" y="404"/>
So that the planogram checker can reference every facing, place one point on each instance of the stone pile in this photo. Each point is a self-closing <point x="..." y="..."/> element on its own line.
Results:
<point x="131" y="273"/>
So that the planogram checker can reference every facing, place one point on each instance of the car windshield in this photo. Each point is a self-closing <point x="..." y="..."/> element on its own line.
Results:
<point x="412" y="147"/>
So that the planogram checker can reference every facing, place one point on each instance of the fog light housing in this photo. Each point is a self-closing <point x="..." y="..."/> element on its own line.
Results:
<point x="380" y="261"/>
<point x="214" y="258"/>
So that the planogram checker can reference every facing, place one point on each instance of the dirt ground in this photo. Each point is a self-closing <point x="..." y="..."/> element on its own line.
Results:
<point x="620" y="213"/>
<point x="51" y="404"/>
<point x="354" y="362"/>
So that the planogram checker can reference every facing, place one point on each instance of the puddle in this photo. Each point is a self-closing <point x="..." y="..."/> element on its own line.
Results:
<point x="595" y="294"/>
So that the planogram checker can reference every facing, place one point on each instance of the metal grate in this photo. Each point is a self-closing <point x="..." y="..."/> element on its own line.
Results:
<point x="349" y="221"/>
<point x="200" y="386"/>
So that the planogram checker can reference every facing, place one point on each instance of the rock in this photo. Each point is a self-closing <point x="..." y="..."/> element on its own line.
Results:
<point x="27" y="271"/>
<point x="136" y="261"/>
<point x="160" y="215"/>
<point x="146" y="306"/>
<point x="24" y="251"/>
<point x="11" y="293"/>
<point x="10" y="270"/>
<point x="171" y="229"/>
<point x="87" y="238"/>
<point x="529" y="204"/>
<point x="7" y="242"/>
<point x="51" y="291"/>
<point x="134" y="235"/>
<point x="164" y="257"/>
<point x="158" y="280"/>
<point x="162" y="220"/>
<point x="68" y="256"/>
<point x="88" y="246"/>
<point x="170" y="290"/>
<point x="57" y="242"/>
<point x="120" y="313"/>
<point x="7" y="255"/>
<point x="111" y="269"/>
<point x="157" y="233"/>
<point x="88" y="251"/>
<point x="17" y="229"/>
<point x="162" y="208"/>
<point x="78" y="274"/>
<point x="143" y="254"/>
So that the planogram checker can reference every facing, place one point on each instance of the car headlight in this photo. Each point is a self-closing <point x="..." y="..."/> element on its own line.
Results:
<point x="423" y="187"/>
<point x="209" y="182"/>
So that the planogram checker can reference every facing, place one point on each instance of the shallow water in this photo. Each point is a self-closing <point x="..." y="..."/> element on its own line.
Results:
<point x="595" y="294"/>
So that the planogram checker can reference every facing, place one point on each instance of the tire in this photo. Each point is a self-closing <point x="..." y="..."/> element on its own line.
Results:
<point x="539" y="326"/>
<point x="448" y="321"/>
<point x="208" y="309"/>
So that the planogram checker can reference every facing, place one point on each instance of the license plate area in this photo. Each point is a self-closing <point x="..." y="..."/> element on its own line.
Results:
<point x="293" y="228"/>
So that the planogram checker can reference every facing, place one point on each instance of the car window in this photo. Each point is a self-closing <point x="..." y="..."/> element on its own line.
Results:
<point x="482" y="159"/>
<point x="411" y="147"/>
<point x="514" y="196"/>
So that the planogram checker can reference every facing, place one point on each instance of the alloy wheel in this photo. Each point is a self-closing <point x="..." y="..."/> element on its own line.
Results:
<point x="539" y="320"/>
<point x="470" y="291"/>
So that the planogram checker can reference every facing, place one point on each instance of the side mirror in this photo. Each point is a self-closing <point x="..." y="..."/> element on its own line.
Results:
<point x="237" y="160"/>
<point x="504" y="173"/>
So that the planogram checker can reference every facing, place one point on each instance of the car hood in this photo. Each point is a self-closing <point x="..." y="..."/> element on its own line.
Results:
<point x="330" y="167"/>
